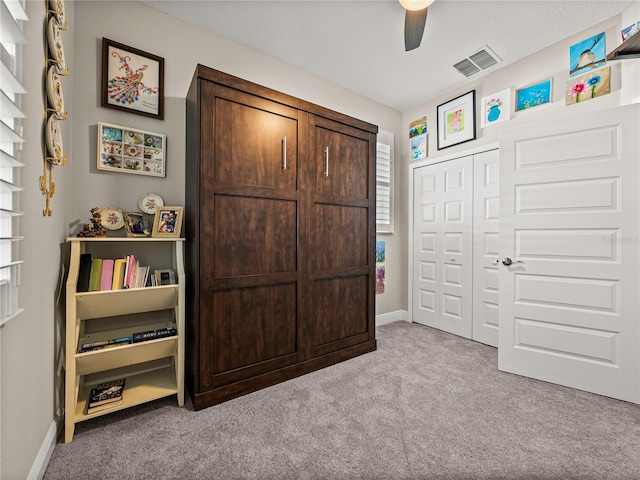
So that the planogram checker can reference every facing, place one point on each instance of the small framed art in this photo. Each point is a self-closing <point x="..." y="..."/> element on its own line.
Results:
<point x="167" y="222"/>
<point x="457" y="120"/>
<point x="534" y="95"/>
<point x="495" y="108"/>
<point x="130" y="150"/>
<point x="132" y="80"/>
<point x="136" y="224"/>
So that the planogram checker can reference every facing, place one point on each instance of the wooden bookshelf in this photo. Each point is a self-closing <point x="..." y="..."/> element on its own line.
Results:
<point x="154" y="368"/>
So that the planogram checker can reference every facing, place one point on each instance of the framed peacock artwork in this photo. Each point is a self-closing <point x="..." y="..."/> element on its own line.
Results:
<point x="132" y="80"/>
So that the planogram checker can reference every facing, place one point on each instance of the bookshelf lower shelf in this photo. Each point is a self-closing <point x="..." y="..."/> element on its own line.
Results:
<point x="138" y="389"/>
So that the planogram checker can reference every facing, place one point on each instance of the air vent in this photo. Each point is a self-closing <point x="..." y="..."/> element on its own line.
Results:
<point x="480" y="60"/>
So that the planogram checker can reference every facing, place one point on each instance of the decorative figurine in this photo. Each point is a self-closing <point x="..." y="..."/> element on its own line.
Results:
<point x="95" y="228"/>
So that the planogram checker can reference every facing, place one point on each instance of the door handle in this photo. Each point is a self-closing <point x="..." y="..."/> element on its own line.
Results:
<point x="507" y="261"/>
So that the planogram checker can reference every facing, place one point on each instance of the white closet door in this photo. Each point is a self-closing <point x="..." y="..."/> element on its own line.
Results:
<point x="443" y="210"/>
<point x="569" y="211"/>
<point x="486" y="206"/>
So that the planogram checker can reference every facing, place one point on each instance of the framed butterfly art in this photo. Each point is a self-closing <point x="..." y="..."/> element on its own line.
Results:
<point x="132" y="80"/>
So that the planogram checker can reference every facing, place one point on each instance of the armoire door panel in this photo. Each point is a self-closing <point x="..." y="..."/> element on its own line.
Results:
<point x="339" y="311"/>
<point x="345" y="246"/>
<point x="247" y="327"/>
<point x="254" y="236"/>
<point x="341" y="163"/>
<point x="254" y="147"/>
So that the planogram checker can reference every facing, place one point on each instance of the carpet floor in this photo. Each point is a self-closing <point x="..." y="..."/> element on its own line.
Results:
<point x="425" y="405"/>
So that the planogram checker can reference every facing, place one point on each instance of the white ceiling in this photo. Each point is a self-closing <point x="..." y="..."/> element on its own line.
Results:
<point x="360" y="44"/>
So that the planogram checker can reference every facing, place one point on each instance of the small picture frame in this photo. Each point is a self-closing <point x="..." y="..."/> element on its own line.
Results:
<point x="457" y="120"/>
<point x="534" y="95"/>
<point x="136" y="224"/>
<point x="131" y="150"/>
<point x="167" y="222"/>
<point x="132" y="80"/>
<point x="165" y="277"/>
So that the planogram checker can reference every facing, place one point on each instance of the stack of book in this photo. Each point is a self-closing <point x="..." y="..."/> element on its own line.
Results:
<point x="99" y="345"/>
<point x="169" y="331"/>
<point x="105" y="395"/>
<point x="97" y="274"/>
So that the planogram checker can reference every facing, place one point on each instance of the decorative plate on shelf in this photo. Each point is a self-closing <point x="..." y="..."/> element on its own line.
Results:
<point x="54" y="93"/>
<point x="111" y="218"/>
<point x="149" y="202"/>
<point x="55" y="47"/>
<point x="54" y="141"/>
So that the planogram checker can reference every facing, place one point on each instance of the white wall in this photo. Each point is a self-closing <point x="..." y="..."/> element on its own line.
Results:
<point x="30" y="346"/>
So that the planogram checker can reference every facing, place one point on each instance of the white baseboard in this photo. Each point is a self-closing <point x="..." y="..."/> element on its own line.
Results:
<point x="44" y="455"/>
<point x="398" y="315"/>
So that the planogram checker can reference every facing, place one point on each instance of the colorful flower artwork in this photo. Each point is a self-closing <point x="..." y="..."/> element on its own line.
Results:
<point x="455" y="121"/>
<point x="588" y="86"/>
<point x="587" y="55"/>
<point x="380" y="272"/>
<point x="495" y="108"/>
<point x="533" y="95"/>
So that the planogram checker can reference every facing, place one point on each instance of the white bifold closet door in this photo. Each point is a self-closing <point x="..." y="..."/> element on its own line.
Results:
<point x="442" y="246"/>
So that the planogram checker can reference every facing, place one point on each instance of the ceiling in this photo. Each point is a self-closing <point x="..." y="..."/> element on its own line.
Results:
<point x="360" y="44"/>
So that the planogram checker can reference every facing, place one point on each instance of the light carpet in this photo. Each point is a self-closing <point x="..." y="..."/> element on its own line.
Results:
<point x="425" y="405"/>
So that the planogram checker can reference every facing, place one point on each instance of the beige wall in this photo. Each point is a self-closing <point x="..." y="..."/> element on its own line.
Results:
<point x="30" y="377"/>
<point x="550" y="62"/>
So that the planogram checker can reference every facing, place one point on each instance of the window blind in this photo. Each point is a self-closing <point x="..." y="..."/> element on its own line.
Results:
<point x="12" y="16"/>
<point x="384" y="182"/>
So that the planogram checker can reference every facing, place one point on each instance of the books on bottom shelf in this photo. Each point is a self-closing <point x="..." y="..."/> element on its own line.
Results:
<point x="169" y="330"/>
<point x="106" y="395"/>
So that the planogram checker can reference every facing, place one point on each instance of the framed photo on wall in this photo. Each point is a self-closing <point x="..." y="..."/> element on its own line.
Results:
<point x="457" y="120"/>
<point x="167" y="222"/>
<point x="132" y="80"/>
<point x="130" y="150"/>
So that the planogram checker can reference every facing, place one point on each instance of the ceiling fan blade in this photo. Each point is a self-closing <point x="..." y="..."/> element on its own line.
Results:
<point x="414" y="22"/>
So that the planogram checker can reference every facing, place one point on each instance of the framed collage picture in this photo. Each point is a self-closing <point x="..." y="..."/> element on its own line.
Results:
<point x="130" y="150"/>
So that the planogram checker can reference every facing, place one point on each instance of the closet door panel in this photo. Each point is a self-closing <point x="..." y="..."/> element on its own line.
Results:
<point x="349" y="248"/>
<point x="341" y="160"/>
<point x="250" y="144"/>
<point x="254" y="236"/>
<point x="339" y="309"/>
<point x="248" y="331"/>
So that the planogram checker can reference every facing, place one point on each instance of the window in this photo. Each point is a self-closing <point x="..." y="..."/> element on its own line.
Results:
<point x="12" y="15"/>
<point x="384" y="183"/>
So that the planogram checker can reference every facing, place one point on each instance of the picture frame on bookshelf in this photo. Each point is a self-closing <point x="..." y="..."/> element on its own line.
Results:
<point x="136" y="224"/>
<point x="165" y="277"/>
<point x="167" y="222"/>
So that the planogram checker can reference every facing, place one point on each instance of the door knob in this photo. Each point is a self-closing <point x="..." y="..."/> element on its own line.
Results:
<point x="507" y="261"/>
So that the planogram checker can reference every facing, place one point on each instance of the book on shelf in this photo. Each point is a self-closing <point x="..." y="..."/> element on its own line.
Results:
<point x="118" y="274"/>
<point x="131" y="272"/>
<point x="106" y="280"/>
<point x="98" y="345"/>
<point x="106" y="393"/>
<point x="169" y="331"/>
<point x="84" y="272"/>
<point x="106" y="406"/>
<point x="95" y="276"/>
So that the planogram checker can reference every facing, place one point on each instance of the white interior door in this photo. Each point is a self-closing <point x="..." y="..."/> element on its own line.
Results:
<point x="443" y="209"/>
<point x="569" y="211"/>
<point x="486" y="210"/>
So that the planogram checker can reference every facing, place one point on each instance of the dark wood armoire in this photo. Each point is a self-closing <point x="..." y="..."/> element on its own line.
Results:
<point x="280" y="227"/>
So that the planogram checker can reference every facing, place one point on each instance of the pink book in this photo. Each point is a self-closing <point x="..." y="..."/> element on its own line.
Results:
<point x="129" y="274"/>
<point x="107" y="274"/>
